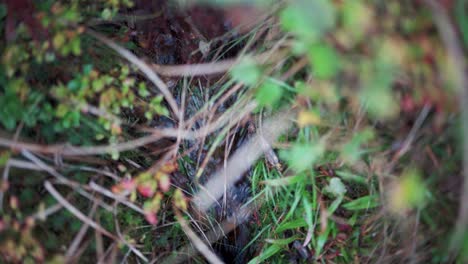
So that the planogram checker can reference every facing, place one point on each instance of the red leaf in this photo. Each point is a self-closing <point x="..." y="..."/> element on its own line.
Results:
<point x="164" y="183"/>
<point x="128" y="185"/>
<point x="407" y="103"/>
<point x="145" y="190"/>
<point x="151" y="218"/>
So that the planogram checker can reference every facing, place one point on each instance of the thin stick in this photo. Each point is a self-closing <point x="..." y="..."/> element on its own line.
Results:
<point x="121" y="199"/>
<point x="6" y="173"/>
<point x="43" y="214"/>
<point x="196" y="241"/>
<point x="75" y="211"/>
<point x="240" y="161"/>
<point x="201" y="69"/>
<point x="210" y="68"/>
<point x="241" y="215"/>
<point x="78" y="214"/>
<point x="80" y="235"/>
<point x="410" y="138"/>
<point x="69" y="150"/>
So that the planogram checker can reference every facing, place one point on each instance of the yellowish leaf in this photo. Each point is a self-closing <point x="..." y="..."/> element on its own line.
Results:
<point x="306" y="118"/>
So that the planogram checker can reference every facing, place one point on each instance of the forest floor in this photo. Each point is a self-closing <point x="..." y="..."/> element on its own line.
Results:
<point x="268" y="132"/>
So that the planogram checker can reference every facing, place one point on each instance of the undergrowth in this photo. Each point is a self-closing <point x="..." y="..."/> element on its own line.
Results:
<point x="322" y="131"/>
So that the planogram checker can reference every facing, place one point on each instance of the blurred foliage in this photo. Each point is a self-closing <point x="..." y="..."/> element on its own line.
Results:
<point x="41" y="89"/>
<point x="371" y="67"/>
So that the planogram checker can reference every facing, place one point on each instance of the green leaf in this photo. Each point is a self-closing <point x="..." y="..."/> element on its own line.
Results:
<point x="98" y="84"/>
<point x="409" y="192"/>
<point x="283" y="181"/>
<point x="309" y="20"/>
<point x="267" y="253"/>
<point x="362" y="203"/>
<point x="309" y="212"/>
<point x="142" y="90"/>
<point x="351" y="151"/>
<point x="268" y="94"/>
<point x="58" y="40"/>
<point x="74" y="85"/>
<point x="380" y="103"/>
<point x="357" y="18"/>
<point x="282" y="242"/>
<point x="334" y="205"/>
<point x="322" y="238"/>
<point x="336" y="188"/>
<point x="302" y="156"/>
<point x="247" y="71"/>
<point x="106" y="14"/>
<point x="4" y="157"/>
<point x="377" y="97"/>
<point x="324" y="59"/>
<point x="350" y="177"/>
<point x="76" y="46"/>
<point x="291" y="225"/>
<point x="87" y="68"/>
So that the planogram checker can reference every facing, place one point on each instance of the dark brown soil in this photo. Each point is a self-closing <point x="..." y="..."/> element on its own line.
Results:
<point x="174" y="35"/>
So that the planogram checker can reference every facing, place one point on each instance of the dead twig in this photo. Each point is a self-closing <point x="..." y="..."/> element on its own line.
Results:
<point x="196" y="241"/>
<point x="227" y="226"/>
<point x="121" y="199"/>
<point x="78" y="214"/>
<point x="6" y="173"/>
<point x="80" y="235"/>
<point x="68" y="150"/>
<point x="240" y="161"/>
<point x="75" y="211"/>
<point x="43" y="214"/>
<point x="211" y="68"/>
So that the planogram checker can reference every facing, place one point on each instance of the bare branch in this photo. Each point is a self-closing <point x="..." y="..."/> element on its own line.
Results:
<point x="196" y="241"/>
<point x="121" y="199"/>
<point x="240" y="161"/>
<point x="78" y="214"/>
<point x="75" y="211"/>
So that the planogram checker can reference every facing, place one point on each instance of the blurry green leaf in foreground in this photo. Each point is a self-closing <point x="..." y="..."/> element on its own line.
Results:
<point x="268" y="94"/>
<point x="309" y="20"/>
<point x="303" y="155"/>
<point x="408" y="193"/>
<point x="336" y="188"/>
<point x="362" y="203"/>
<point x="377" y="96"/>
<point x="283" y="181"/>
<point x="265" y="3"/>
<point x="351" y="151"/>
<point x="247" y="71"/>
<point x="461" y="15"/>
<point x="4" y="157"/>
<point x="357" y="18"/>
<point x="379" y="103"/>
<point x="325" y="61"/>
